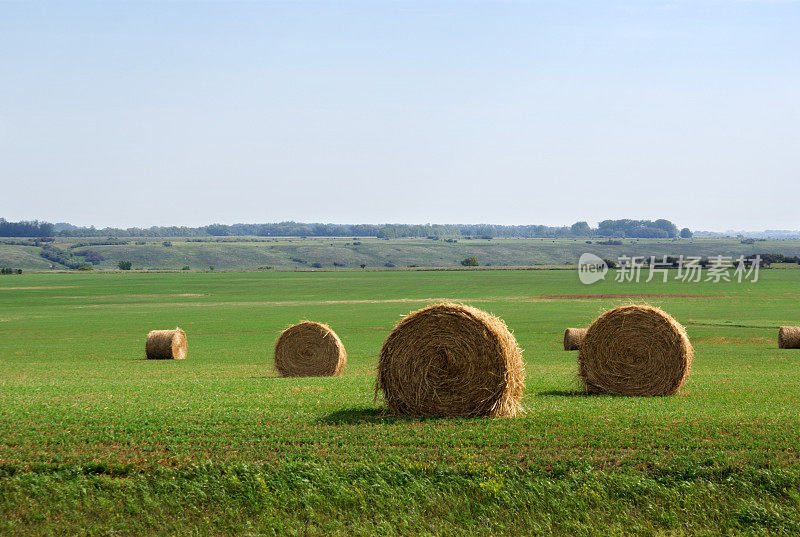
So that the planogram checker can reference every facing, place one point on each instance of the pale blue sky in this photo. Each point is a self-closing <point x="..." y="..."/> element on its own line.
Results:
<point x="510" y="112"/>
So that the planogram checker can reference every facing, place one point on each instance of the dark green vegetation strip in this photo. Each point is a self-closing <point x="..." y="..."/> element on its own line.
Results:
<point x="314" y="499"/>
<point x="94" y="437"/>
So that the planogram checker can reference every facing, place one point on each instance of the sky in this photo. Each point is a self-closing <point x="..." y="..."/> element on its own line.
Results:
<point x="506" y="112"/>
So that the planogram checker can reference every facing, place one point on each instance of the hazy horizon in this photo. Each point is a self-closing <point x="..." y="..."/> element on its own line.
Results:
<point x="513" y="113"/>
<point x="593" y="225"/>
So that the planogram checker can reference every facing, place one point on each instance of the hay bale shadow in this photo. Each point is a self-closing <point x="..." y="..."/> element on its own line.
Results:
<point x="564" y="393"/>
<point x="355" y="416"/>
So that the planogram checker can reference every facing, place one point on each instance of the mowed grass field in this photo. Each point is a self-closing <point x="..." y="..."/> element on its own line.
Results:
<point x="96" y="440"/>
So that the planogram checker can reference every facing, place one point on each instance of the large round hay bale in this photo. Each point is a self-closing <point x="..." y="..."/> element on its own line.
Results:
<point x="789" y="337"/>
<point x="573" y="338"/>
<point x="309" y="349"/>
<point x="635" y="350"/>
<point x="166" y="345"/>
<point x="450" y="360"/>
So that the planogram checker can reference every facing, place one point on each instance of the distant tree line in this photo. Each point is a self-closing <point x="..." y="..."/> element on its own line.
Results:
<point x="659" y="229"/>
<point x="768" y="259"/>
<point x="25" y="228"/>
<point x="607" y="228"/>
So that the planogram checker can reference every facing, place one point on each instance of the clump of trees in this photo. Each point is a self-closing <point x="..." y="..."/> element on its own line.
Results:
<point x="659" y="229"/>
<point x="62" y="257"/>
<point x="25" y="228"/>
<point x="124" y="265"/>
<point x="76" y="259"/>
<point x="91" y="256"/>
<point x="470" y="261"/>
<point x="580" y="229"/>
<point x="9" y="270"/>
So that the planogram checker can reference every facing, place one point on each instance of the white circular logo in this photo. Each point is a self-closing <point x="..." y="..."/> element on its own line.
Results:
<point x="591" y="268"/>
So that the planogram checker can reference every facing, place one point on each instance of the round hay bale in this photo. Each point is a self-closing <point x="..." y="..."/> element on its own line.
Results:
<point x="309" y="349"/>
<point x="635" y="350"/>
<point x="450" y="360"/>
<point x="166" y="345"/>
<point x="573" y="338"/>
<point x="789" y="337"/>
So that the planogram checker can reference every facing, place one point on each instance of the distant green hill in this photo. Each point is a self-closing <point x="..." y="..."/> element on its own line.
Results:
<point x="329" y="253"/>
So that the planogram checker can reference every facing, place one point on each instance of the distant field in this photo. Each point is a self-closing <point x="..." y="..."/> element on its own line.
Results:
<point x="96" y="440"/>
<point x="334" y="253"/>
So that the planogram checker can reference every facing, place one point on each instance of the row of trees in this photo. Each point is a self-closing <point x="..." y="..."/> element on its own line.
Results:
<point x="25" y="228"/>
<point x="607" y="228"/>
<point x="659" y="229"/>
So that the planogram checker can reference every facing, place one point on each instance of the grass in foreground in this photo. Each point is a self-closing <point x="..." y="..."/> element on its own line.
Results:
<point x="314" y="498"/>
<point x="96" y="439"/>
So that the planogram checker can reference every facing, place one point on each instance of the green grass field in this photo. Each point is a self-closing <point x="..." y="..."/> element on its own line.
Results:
<point x="96" y="440"/>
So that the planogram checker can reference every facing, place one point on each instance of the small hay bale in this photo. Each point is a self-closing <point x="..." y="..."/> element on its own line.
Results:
<point x="309" y="349"/>
<point x="789" y="337"/>
<point x="573" y="338"/>
<point x="166" y="345"/>
<point x="450" y="360"/>
<point x="635" y="350"/>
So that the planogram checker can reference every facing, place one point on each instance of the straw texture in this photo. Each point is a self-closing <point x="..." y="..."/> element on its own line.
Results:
<point x="789" y="337"/>
<point x="309" y="349"/>
<point x="573" y="338"/>
<point x="635" y="350"/>
<point x="451" y="360"/>
<point x="166" y="345"/>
